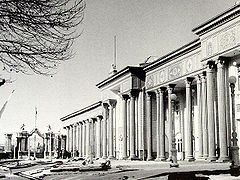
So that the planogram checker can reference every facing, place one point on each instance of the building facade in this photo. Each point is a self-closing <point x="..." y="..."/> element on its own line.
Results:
<point x="182" y="98"/>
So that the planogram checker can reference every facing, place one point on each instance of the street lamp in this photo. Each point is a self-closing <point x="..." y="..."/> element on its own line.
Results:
<point x="173" y="161"/>
<point x="234" y="148"/>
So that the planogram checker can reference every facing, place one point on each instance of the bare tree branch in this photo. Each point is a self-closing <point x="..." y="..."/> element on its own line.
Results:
<point x="37" y="35"/>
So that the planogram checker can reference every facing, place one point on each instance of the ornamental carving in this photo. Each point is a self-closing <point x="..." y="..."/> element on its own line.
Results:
<point x="162" y="76"/>
<point x="175" y="72"/>
<point x="189" y="65"/>
<point x="150" y="81"/>
<point x="228" y="39"/>
<point x="209" y="49"/>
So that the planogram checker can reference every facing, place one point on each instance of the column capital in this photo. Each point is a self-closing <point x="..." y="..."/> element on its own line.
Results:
<point x="221" y="62"/>
<point x="170" y="88"/>
<point x="157" y="92"/>
<point x="105" y="105"/>
<point x="189" y="81"/>
<point x="112" y="102"/>
<point x="198" y="78"/>
<point x="211" y="66"/>
<point x="124" y="97"/>
<point x="162" y="89"/>
<point x="149" y="94"/>
<point x="91" y="120"/>
<point x="133" y="93"/>
<point x="99" y="117"/>
<point x="203" y="76"/>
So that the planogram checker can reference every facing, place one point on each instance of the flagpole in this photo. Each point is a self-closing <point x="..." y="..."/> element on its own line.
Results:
<point x="35" y="133"/>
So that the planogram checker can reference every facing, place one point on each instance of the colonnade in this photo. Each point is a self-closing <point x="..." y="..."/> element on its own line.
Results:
<point x="210" y="83"/>
<point x="93" y="137"/>
<point x="129" y="118"/>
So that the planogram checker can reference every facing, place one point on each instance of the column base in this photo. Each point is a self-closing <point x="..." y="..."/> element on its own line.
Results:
<point x="169" y="159"/>
<point x="175" y="165"/>
<point x="132" y="158"/>
<point x="160" y="159"/>
<point x="190" y="159"/>
<point x="149" y="158"/>
<point x="111" y="157"/>
<point x="104" y="157"/>
<point x="212" y="159"/>
<point x="223" y="159"/>
<point x="205" y="156"/>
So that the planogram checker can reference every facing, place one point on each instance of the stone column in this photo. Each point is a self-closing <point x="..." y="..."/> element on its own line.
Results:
<point x="104" y="127"/>
<point x="29" y="152"/>
<point x="80" y="139"/>
<point x="228" y="119"/>
<point x="74" y="139"/>
<point x="8" y="142"/>
<point x="50" y="145"/>
<point x="188" y="124"/>
<point x="133" y="95"/>
<point x="98" y="136"/>
<point x="162" y="124"/>
<point x="128" y="127"/>
<point x="90" y="140"/>
<point x="222" y="111"/>
<point x="84" y="139"/>
<point x="204" y="115"/>
<point x="87" y="137"/>
<point x="149" y="126"/>
<point x="71" y="140"/>
<point x="45" y="145"/>
<point x="158" y="124"/>
<point x="68" y="138"/>
<point x="200" y="129"/>
<point x="170" y="91"/>
<point x="124" y="133"/>
<point x="210" y="107"/>
<point x="112" y="104"/>
<point x="19" y="146"/>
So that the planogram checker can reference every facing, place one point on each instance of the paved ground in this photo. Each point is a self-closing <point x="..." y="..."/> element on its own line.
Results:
<point x="144" y="170"/>
<point x="137" y="170"/>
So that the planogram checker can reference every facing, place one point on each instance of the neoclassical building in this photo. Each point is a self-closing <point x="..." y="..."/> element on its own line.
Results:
<point x="183" y="97"/>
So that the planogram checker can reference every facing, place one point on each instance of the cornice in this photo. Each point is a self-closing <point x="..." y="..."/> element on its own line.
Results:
<point x="81" y="111"/>
<point x="127" y="70"/>
<point x="218" y="20"/>
<point x="173" y="55"/>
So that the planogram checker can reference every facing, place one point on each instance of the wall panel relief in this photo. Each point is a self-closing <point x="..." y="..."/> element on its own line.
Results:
<point x="171" y="72"/>
<point x="222" y="41"/>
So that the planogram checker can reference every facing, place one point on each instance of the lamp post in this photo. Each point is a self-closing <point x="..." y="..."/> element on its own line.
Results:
<point x="173" y="161"/>
<point x="234" y="148"/>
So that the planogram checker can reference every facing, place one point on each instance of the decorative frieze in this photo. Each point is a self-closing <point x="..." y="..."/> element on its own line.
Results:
<point x="221" y="41"/>
<point x="173" y="71"/>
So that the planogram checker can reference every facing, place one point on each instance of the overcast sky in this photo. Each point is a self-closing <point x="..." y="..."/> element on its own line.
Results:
<point x="142" y="27"/>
